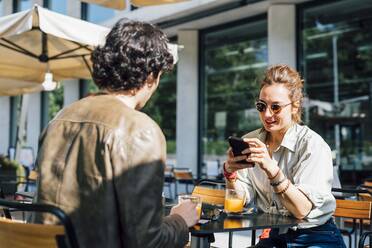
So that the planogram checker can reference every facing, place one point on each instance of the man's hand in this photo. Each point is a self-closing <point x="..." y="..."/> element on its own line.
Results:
<point x="187" y="210"/>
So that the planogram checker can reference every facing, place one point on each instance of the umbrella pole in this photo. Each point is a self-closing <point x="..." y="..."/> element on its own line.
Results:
<point x="21" y="129"/>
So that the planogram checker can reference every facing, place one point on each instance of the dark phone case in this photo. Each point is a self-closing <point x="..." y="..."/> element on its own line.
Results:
<point x="238" y="145"/>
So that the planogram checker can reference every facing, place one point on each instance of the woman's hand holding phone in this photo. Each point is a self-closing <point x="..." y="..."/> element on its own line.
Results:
<point x="237" y="155"/>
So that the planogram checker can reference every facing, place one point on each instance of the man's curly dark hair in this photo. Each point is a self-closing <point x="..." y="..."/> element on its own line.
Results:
<point x="133" y="50"/>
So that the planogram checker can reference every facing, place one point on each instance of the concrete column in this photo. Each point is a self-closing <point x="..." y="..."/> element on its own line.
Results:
<point x="33" y="120"/>
<point x="4" y="124"/>
<point x="282" y="34"/>
<point x="70" y="91"/>
<point x="187" y="101"/>
<point x="73" y="8"/>
<point x="7" y="7"/>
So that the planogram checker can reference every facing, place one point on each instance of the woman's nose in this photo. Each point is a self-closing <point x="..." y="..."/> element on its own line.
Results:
<point x="268" y="112"/>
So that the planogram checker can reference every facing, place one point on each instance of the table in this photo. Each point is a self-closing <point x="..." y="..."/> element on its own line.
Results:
<point x="201" y="232"/>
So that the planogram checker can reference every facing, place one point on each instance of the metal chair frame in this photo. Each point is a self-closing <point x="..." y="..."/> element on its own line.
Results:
<point x="45" y="208"/>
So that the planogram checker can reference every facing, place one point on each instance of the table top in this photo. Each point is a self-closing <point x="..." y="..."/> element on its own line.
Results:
<point x="247" y="222"/>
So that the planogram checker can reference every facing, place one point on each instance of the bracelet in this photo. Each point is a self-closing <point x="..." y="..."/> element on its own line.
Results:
<point x="231" y="177"/>
<point x="276" y="174"/>
<point x="278" y="183"/>
<point x="285" y="188"/>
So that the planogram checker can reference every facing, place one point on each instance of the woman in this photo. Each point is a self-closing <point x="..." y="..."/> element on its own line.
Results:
<point x="289" y="168"/>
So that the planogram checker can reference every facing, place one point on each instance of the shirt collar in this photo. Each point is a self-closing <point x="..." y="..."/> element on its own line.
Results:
<point x="289" y="139"/>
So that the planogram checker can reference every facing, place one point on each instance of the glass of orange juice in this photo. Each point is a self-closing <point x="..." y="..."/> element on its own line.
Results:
<point x="234" y="201"/>
<point x="193" y="198"/>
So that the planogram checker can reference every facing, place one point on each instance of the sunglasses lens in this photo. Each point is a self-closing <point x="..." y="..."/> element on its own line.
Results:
<point x="260" y="106"/>
<point x="276" y="108"/>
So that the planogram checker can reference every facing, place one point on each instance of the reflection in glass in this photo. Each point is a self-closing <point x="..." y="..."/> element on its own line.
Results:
<point x="232" y="223"/>
<point x="234" y="59"/>
<point x="337" y="63"/>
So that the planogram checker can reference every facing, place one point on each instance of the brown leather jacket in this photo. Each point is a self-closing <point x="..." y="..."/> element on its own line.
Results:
<point x="103" y="163"/>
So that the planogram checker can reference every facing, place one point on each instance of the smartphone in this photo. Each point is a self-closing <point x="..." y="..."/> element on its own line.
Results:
<point x="238" y="145"/>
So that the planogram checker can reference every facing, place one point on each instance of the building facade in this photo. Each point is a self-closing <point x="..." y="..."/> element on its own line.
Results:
<point x="226" y="47"/>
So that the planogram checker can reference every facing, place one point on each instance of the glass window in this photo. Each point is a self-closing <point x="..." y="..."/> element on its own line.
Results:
<point x="24" y="5"/>
<point x="337" y="65"/>
<point x="233" y="59"/>
<point x="59" y="6"/>
<point x="98" y="14"/>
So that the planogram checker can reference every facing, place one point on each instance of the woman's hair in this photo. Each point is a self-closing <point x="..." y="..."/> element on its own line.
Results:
<point x="291" y="79"/>
<point x="133" y="50"/>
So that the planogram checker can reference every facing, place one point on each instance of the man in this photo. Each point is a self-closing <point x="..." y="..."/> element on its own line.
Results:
<point x="102" y="161"/>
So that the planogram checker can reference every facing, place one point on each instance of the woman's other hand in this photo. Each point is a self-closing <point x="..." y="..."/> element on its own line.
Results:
<point x="258" y="153"/>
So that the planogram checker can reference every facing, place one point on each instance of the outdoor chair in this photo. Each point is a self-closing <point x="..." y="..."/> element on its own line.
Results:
<point x="213" y="183"/>
<point x="211" y="197"/>
<point x="212" y="192"/>
<point x="5" y="211"/>
<point x="363" y="238"/>
<point x="18" y="234"/>
<point x="183" y="176"/>
<point x="349" y="194"/>
<point x="354" y="209"/>
<point x="169" y="178"/>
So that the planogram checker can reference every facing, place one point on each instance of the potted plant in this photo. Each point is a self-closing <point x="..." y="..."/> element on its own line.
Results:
<point x="12" y="174"/>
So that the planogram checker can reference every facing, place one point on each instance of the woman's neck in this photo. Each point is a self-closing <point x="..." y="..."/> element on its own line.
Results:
<point x="275" y="138"/>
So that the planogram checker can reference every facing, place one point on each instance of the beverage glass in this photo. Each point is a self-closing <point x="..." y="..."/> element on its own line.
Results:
<point x="194" y="199"/>
<point x="234" y="201"/>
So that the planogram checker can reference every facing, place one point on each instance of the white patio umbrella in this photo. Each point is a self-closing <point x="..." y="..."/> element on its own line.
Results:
<point x="121" y="4"/>
<point x="37" y="41"/>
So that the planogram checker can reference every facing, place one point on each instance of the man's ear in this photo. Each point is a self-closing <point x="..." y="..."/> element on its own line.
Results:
<point x="150" y="80"/>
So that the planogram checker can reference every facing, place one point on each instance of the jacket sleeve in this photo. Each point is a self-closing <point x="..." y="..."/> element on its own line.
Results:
<point x="138" y="165"/>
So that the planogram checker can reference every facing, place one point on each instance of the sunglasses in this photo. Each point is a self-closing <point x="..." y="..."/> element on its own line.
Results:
<point x="275" y="107"/>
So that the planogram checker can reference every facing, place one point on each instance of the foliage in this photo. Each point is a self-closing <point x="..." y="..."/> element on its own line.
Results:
<point x="55" y="99"/>
<point x="8" y="163"/>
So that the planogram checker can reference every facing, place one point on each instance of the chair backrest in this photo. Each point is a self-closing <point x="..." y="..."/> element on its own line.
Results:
<point x="33" y="175"/>
<point x="36" y="235"/>
<point x="353" y="209"/>
<point x="209" y="195"/>
<point x="182" y="174"/>
<point x="17" y="235"/>
<point x="367" y="183"/>
<point x="365" y="197"/>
